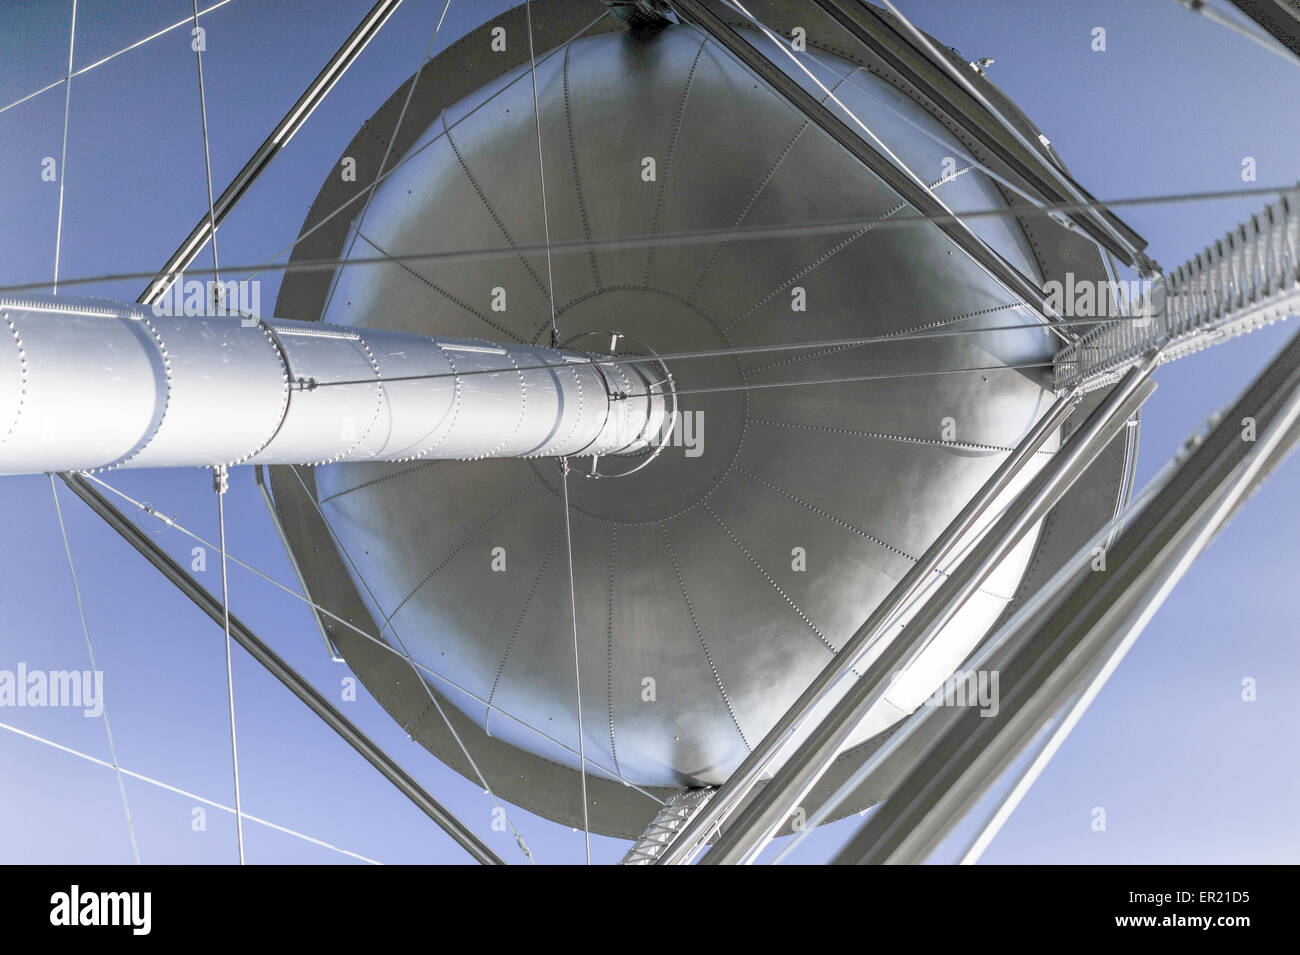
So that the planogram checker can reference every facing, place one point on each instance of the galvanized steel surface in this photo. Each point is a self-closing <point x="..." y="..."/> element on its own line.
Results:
<point x="696" y="619"/>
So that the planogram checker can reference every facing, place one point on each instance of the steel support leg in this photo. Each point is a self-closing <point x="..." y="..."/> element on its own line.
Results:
<point x="702" y="14"/>
<point x="283" y="672"/>
<point x="769" y="809"/>
<point x="742" y="781"/>
<point x="312" y="97"/>
<point x="1052" y="654"/>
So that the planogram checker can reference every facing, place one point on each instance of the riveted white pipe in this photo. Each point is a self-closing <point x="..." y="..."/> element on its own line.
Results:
<point x="89" y="385"/>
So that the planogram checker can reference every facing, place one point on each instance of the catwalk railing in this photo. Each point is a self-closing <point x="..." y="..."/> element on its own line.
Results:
<point x="1245" y="280"/>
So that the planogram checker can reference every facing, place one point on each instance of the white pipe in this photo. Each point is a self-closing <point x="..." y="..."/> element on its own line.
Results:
<point x="88" y="385"/>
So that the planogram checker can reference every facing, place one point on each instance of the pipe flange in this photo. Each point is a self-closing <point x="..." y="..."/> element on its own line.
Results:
<point x="652" y="357"/>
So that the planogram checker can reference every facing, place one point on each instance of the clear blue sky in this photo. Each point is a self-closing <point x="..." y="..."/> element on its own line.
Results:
<point x="1186" y="771"/>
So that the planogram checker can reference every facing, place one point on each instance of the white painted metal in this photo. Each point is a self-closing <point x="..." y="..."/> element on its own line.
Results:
<point x="91" y="385"/>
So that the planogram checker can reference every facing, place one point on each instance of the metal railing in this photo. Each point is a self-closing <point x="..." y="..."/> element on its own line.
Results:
<point x="1245" y="280"/>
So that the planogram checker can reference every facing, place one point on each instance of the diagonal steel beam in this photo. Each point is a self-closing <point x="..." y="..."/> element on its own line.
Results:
<point x="282" y="671"/>
<point x="284" y="131"/>
<point x="1045" y="660"/>
<point x="1281" y="18"/>
<point x="915" y="193"/>
<point x="774" y="804"/>
<point x="961" y="102"/>
<point x="731" y="794"/>
<point x="1108" y="660"/>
